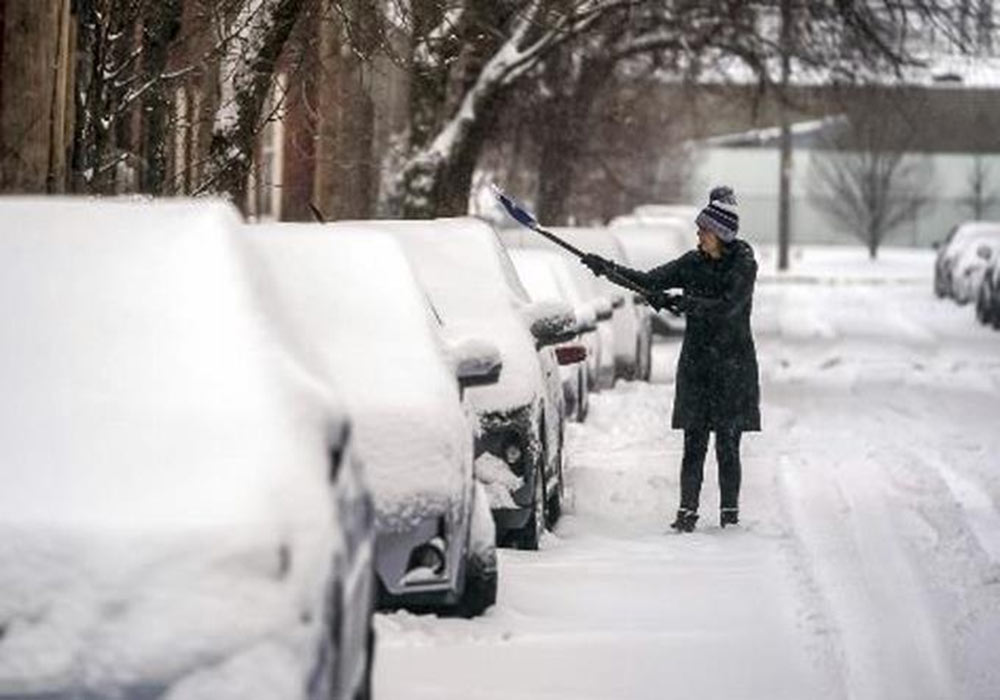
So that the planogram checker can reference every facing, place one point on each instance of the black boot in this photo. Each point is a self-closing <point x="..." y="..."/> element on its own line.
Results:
<point x="729" y="516"/>
<point x="685" y="521"/>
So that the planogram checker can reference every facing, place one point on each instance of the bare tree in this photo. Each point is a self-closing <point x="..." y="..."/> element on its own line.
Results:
<point x="253" y="41"/>
<point x="982" y="196"/>
<point x="468" y="54"/>
<point x="864" y="179"/>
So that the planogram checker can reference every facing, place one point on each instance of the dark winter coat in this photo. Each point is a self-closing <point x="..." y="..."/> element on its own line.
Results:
<point x="717" y="380"/>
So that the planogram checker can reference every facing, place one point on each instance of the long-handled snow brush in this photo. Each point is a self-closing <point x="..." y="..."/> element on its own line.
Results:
<point x="658" y="300"/>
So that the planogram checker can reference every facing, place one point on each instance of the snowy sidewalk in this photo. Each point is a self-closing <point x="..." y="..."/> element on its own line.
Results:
<point x="615" y="606"/>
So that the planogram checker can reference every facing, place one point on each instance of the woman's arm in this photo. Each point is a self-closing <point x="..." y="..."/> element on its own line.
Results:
<point x="738" y="291"/>
<point x="668" y="276"/>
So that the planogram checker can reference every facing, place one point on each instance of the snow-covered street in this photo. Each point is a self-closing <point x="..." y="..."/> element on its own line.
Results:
<point x="867" y="564"/>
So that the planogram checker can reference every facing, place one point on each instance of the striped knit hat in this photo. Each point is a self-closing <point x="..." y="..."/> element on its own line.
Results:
<point x="720" y="215"/>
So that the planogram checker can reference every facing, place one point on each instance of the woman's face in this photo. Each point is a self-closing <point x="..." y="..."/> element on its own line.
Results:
<point x="709" y="243"/>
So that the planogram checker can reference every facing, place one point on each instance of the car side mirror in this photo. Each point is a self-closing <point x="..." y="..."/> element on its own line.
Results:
<point x="477" y="361"/>
<point x="586" y="319"/>
<point x="551" y="322"/>
<point x="602" y="308"/>
<point x="985" y="252"/>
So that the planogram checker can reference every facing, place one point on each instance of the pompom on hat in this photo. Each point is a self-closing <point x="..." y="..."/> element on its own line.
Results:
<point x="720" y="216"/>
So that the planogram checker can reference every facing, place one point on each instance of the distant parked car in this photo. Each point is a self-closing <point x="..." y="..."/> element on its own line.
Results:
<point x="604" y="298"/>
<point x="952" y="249"/>
<point x="970" y="266"/>
<point x="354" y="300"/>
<point x="540" y="272"/>
<point x="473" y="285"/>
<point x="651" y="212"/>
<point x="630" y="322"/>
<point x="650" y="245"/>
<point x="988" y="298"/>
<point x="182" y="513"/>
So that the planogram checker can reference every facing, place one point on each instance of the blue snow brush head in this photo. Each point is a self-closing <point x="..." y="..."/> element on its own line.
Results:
<point x="516" y="211"/>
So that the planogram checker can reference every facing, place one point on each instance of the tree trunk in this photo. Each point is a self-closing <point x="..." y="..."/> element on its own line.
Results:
<point x="161" y="27"/>
<point x="455" y="186"/>
<point x="246" y="84"/>
<point x="563" y="135"/>
<point x="29" y="46"/>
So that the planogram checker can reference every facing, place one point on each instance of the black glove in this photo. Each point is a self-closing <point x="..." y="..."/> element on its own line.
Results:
<point x="662" y="300"/>
<point x="682" y="304"/>
<point x="598" y="265"/>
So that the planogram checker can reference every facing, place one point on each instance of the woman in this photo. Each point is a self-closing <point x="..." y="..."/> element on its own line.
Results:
<point x="717" y="386"/>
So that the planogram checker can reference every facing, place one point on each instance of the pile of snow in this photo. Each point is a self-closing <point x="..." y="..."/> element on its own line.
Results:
<point x="352" y="294"/>
<point x="165" y="518"/>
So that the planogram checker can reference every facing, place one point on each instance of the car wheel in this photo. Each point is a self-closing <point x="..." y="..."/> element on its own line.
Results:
<point x="325" y="680"/>
<point x="938" y="287"/>
<point x="481" y="577"/>
<point x="365" y="691"/>
<point x="530" y="536"/>
<point x="553" y="507"/>
<point x="981" y="309"/>
<point x="583" y="398"/>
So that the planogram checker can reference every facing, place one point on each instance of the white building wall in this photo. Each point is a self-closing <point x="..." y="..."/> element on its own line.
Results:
<point x="753" y="174"/>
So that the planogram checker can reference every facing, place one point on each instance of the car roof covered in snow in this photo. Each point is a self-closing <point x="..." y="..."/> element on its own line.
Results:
<point x="973" y="230"/>
<point x="464" y="269"/>
<point x="141" y="381"/>
<point x="535" y="267"/>
<point x="647" y="246"/>
<point x="549" y="275"/>
<point x="351" y="292"/>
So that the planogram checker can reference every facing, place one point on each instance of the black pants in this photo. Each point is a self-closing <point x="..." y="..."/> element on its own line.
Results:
<point x="727" y="454"/>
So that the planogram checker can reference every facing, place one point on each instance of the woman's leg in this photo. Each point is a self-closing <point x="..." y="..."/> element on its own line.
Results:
<point x="692" y="468"/>
<point x="727" y="454"/>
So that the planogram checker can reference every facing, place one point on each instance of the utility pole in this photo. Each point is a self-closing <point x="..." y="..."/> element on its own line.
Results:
<point x="785" y="164"/>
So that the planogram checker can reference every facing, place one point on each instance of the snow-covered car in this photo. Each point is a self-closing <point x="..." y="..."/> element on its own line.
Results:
<point x="653" y="212"/>
<point x="587" y="289"/>
<point x="544" y="279"/>
<point x="353" y="298"/>
<point x="470" y="280"/>
<point x="630" y="321"/>
<point x="970" y="266"/>
<point x="988" y="297"/>
<point x="182" y="514"/>
<point x="952" y="248"/>
<point x="649" y="245"/>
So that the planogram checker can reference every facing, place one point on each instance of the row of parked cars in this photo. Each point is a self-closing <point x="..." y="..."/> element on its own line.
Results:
<point x="967" y="268"/>
<point x="226" y="444"/>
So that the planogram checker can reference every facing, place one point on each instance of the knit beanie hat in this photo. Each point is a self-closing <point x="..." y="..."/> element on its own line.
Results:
<point x="720" y="215"/>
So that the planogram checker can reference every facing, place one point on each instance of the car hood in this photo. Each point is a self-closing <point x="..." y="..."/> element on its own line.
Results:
<point x="90" y="612"/>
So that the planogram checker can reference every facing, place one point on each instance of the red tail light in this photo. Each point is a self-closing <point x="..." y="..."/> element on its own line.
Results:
<point x="571" y="354"/>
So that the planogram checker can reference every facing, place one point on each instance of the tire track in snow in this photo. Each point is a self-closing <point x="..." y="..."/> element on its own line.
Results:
<point x="975" y="503"/>
<point x="889" y="641"/>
